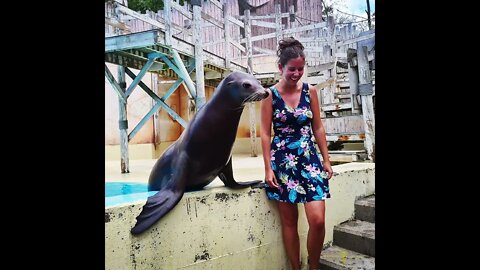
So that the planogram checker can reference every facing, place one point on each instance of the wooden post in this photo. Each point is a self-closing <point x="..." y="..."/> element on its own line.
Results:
<point x="226" y="29"/>
<point x="327" y="95"/>
<point x="330" y="96"/>
<point x="248" y="37"/>
<point x="353" y="79"/>
<point x="292" y="22"/>
<point x="167" y="11"/>
<point x="197" y="39"/>
<point x="156" y="116"/>
<point x="366" y="90"/>
<point x="278" y="21"/>
<point x="343" y="34"/>
<point x="116" y="15"/>
<point x="123" y="122"/>
<point x="251" y="105"/>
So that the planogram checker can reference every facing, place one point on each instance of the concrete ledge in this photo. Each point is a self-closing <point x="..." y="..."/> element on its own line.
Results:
<point x="220" y="228"/>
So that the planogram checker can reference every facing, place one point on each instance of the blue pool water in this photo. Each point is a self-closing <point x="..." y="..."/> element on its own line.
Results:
<point x="125" y="192"/>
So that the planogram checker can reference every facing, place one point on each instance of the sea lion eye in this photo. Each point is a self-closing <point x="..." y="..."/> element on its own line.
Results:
<point x="246" y="85"/>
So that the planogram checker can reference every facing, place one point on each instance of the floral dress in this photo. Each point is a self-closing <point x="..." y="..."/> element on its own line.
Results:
<point x="294" y="158"/>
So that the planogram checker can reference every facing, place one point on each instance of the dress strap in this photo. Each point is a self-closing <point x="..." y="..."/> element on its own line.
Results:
<point x="305" y="87"/>
<point x="274" y="91"/>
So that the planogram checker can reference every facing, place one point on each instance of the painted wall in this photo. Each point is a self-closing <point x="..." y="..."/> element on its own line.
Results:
<point x="220" y="228"/>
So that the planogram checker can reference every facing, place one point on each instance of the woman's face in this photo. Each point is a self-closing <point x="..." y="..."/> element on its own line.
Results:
<point x="292" y="72"/>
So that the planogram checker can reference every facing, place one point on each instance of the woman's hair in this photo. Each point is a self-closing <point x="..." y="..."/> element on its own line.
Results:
<point x="289" y="48"/>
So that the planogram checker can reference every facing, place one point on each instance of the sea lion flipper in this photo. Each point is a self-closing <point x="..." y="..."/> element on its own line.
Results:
<point x="169" y="195"/>
<point x="226" y="175"/>
<point x="155" y="208"/>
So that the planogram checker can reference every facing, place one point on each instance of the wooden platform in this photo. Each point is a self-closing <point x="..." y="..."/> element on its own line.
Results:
<point x="132" y="50"/>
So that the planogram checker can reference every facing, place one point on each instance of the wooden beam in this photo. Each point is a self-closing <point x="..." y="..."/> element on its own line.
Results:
<point x="336" y="107"/>
<point x="142" y="73"/>
<point x="215" y="3"/>
<point x="262" y="17"/>
<point x="212" y="20"/>
<point x="184" y="74"/>
<point x="228" y="38"/>
<point x="355" y="40"/>
<point x="324" y="84"/>
<point x="177" y="83"/>
<point x="304" y="40"/>
<point x="251" y="105"/>
<point x="278" y="22"/>
<point x="364" y="79"/>
<point x="126" y="10"/>
<point x="160" y="103"/>
<point x="287" y="31"/>
<point x="260" y="37"/>
<point x="123" y="123"/>
<point x="182" y="10"/>
<point x="319" y="68"/>
<point x="304" y="28"/>
<point x="235" y="21"/>
<point x="199" y="73"/>
<point x="115" y="23"/>
<point x="116" y="87"/>
<point x="167" y="13"/>
<point x="264" y="24"/>
<point x="353" y="80"/>
<point x="265" y="51"/>
<point x="219" y="41"/>
<point x="238" y="45"/>
<point x="130" y="41"/>
<point x="345" y="137"/>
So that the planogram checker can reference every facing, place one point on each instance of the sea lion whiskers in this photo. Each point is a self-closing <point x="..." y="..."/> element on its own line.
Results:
<point x="255" y="97"/>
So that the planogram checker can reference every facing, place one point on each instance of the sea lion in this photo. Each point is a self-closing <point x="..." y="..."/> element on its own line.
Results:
<point x="203" y="151"/>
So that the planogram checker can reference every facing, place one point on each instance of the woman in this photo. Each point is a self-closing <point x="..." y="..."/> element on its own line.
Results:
<point x="293" y="171"/>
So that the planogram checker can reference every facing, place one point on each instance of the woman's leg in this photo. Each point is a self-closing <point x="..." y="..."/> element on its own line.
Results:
<point x="315" y="212"/>
<point x="289" y="217"/>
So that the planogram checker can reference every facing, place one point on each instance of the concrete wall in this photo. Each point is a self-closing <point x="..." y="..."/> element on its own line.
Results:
<point x="220" y="228"/>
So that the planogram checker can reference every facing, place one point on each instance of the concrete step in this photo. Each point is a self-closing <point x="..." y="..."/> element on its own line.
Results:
<point x="356" y="235"/>
<point x="337" y="258"/>
<point x="365" y="209"/>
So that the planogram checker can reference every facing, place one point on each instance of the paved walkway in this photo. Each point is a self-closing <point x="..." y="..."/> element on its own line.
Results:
<point x="245" y="168"/>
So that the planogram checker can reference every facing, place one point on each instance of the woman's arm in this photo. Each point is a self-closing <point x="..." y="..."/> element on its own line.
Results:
<point x="266" y="136"/>
<point x="319" y="131"/>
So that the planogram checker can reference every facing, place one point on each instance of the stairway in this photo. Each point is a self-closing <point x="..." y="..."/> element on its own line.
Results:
<point x="353" y="241"/>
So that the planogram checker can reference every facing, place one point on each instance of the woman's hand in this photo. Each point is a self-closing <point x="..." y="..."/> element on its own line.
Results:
<point x="270" y="179"/>
<point x="328" y="168"/>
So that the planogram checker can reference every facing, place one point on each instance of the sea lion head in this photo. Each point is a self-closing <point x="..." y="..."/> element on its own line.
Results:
<point x="243" y="87"/>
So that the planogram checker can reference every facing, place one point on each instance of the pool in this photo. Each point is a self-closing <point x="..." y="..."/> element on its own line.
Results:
<point x="125" y="192"/>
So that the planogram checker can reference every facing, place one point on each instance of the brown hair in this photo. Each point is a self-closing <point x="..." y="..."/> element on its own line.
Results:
<point x="289" y="48"/>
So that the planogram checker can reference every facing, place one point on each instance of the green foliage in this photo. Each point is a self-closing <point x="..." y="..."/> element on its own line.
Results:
<point x="144" y="5"/>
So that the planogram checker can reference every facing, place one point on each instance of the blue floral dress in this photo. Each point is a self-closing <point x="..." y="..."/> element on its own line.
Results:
<point x="294" y="158"/>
